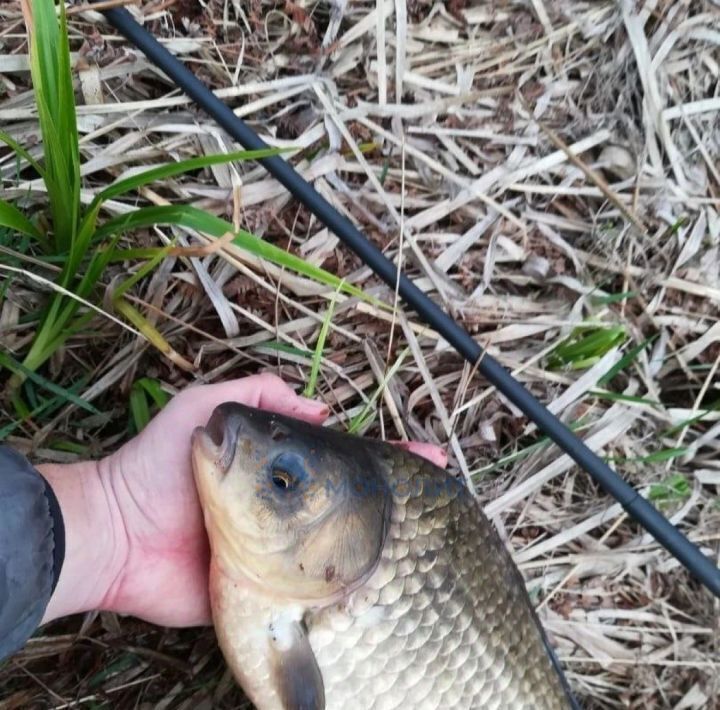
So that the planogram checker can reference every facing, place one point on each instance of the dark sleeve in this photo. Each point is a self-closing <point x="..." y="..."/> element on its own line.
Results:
<point x="32" y="548"/>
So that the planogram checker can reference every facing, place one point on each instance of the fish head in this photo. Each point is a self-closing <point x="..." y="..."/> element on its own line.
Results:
<point x="295" y="508"/>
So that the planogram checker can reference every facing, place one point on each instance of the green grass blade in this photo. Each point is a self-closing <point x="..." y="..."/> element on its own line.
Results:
<point x="46" y="333"/>
<point x="82" y="241"/>
<point x="70" y="446"/>
<point x="276" y="346"/>
<point x="613" y="298"/>
<point x="662" y="455"/>
<point x="585" y="346"/>
<point x="625" y="361"/>
<point x="367" y="411"/>
<point x="655" y="457"/>
<point x="17" y="148"/>
<point x="673" y="488"/>
<point x="702" y="413"/>
<point x="139" y="409"/>
<point x="542" y="442"/>
<point x="617" y="397"/>
<point x="14" y="366"/>
<point x="12" y="217"/>
<point x="319" y="347"/>
<point x="8" y="429"/>
<point x="154" y="389"/>
<point x="171" y="169"/>
<point x="94" y="271"/>
<point x="150" y="333"/>
<point x="138" y="253"/>
<point x="142" y="391"/>
<point x="55" y="323"/>
<point x="193" y="218"/>
<point x="55" y="99"/>
<point x="145" y="269"/>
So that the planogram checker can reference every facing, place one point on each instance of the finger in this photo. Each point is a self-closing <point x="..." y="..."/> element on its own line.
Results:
<point x="431" y="452"/>
<point x="264" y="391"/>
<point x="277" y="396"/>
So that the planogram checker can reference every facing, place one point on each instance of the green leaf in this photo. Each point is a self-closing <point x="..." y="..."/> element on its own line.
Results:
<point x="171" y="169"/>
<point x="47" y="407"/>
<point x="617" y="397"/>
<point x="702" y="413"/>
<point x="71" y="446"/>
<point x="94" y="271"/>
<point x="193" y="218"/>
<point x="625" y="361"/>
<point x="368" y="411"/>
<point x="139" y="408"/>
<point x="655" y="457"/>
<point x="17" y="148"/>
<point x="277" y="346"/>
<point x="9" y="428"/>
<point x="145" y="269"/>
<point x="319" y="347"/>
<point x="12" y="217"/>
<point x="57" y="324"/>
<point x="55" y="100"/>
<point x="149" y="332"/>
<point x="153" y="388"/>
<point x="673" y="488"/>
<point x="138" y="253"/>
<point x="663" y="455"/>
<point x="585" y="346"/>
<point x="542" y="442"/>
<point x="613" y="298"/>
<point x="113" y="668"/>
<point x="82" y="242"/>
<point x="14" y="366"/>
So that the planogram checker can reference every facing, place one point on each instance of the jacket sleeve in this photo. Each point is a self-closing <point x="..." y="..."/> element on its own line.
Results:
<point x="32" y="549"/>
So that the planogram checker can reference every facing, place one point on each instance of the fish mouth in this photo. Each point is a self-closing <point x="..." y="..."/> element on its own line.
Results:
<point x="217" y="440"/>
<point x="201" y="441"/>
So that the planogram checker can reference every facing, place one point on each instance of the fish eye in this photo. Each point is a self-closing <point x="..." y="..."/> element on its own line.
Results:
<point x="287" y="472"/>
<point x="282" y="479"/>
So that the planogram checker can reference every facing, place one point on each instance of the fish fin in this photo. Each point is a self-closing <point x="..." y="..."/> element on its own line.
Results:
<point x="572" y="700"/>
<point x="295" y="668"/>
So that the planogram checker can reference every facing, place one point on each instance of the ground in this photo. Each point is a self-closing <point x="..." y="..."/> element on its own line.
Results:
<point x="537" y="166"/>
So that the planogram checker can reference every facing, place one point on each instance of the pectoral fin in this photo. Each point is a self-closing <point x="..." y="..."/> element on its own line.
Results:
<point x="297" y="675"/>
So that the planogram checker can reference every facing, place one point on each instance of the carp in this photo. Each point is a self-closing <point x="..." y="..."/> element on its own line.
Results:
<point x="350" y="574"/>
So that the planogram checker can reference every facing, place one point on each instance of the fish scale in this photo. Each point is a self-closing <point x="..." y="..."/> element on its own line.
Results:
<point x="441" y="624"/>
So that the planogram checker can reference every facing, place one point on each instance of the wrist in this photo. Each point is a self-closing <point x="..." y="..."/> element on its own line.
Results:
<point x="95" y="539"/>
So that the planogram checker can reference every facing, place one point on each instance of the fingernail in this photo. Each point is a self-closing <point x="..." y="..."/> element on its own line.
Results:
<point x="319" y="408"/>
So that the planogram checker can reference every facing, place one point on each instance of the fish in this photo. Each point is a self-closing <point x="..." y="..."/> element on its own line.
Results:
<point x="347" y="573"/>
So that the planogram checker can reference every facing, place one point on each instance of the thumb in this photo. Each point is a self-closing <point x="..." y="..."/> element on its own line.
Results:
<point x="264" y="391"/>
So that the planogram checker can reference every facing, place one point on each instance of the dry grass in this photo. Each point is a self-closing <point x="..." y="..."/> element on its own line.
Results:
<point x="529" y="161"/>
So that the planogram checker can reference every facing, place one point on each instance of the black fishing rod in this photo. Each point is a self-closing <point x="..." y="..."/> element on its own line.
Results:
<point x="636" y="506"/>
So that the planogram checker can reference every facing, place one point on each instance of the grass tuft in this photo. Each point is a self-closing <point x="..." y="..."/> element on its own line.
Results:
<point x="77" y="238"/>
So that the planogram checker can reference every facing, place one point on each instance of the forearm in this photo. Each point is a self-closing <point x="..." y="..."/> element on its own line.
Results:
<point x="95" y="544"/>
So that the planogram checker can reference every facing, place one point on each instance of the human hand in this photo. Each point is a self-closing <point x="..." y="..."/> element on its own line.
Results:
<point x="144" y="551"/>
